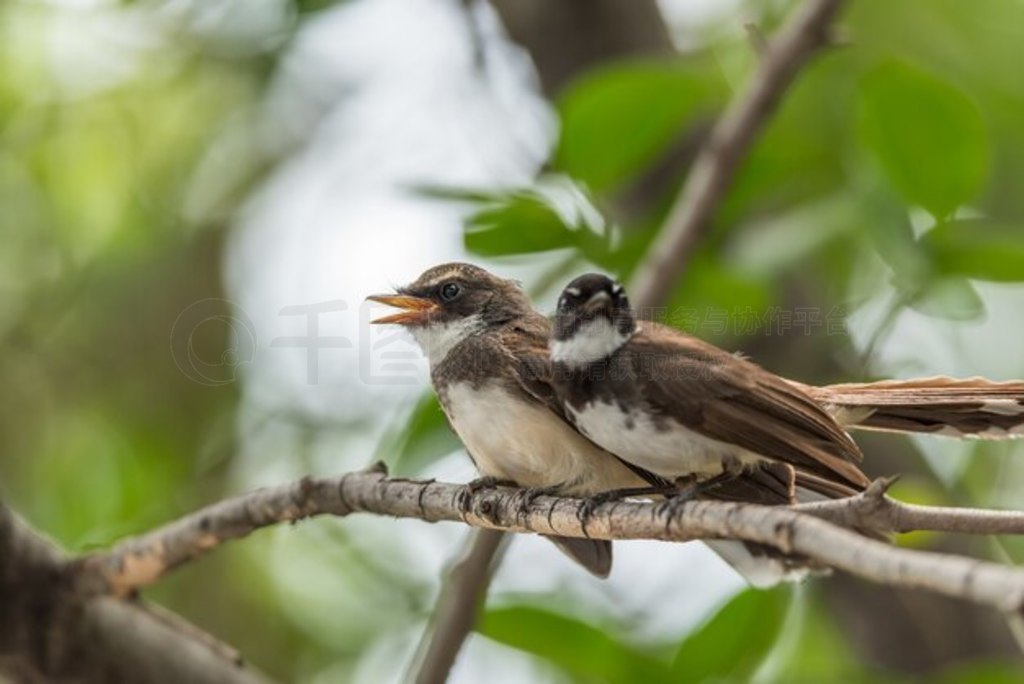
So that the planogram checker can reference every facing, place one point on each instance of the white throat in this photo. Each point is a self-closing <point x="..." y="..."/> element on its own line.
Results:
<point x="438" y="339"/>
<point x="595" y="340"/>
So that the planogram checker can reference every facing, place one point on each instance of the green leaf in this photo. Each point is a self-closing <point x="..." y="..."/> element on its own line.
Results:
<point x="618" y="120"/>
<point x="954" y="299"/>
<point x="781" y="243"/>
<point x="928" y="136"/>
<point x="555" y="213"/>
<point x="714" y="300"/>
<point x="819" y="650"/>
<point x="892" y="235"/>
<point x="798" y="157"/>
<point x="424" y="438"/>
<point x="579" y="649"/>
<point x="977" y="248"/>
<point x="520" y="224"/>
<point x="733" y="643"/>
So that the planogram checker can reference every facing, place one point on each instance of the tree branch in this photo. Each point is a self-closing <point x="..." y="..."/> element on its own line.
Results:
<point x="457" y="607"/>
<point x="726" y="146"/>
<point x="799" y="531"/>
<point x="873" y="510"/>
<point x="50" y="633"/>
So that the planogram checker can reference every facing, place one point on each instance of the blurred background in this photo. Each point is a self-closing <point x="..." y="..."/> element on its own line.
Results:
<point x="196" y="196"/>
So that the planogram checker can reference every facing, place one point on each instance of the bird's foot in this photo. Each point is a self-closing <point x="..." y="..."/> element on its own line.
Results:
<point x="479" y="484"/>
<point x="489" y="482"/>
<point x="591" y="503"/>
<point x="528" y="495"/>
<point x="688" y="489"/>
<point x="673" y="504"/>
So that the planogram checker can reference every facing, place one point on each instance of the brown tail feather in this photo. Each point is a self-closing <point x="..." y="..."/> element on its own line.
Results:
<point x="830" y="489"/>
<point x="972" y="407"/>
<point x="593" y="554"/>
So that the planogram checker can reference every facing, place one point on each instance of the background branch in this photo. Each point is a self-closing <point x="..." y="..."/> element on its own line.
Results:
<point x="50" y="633"/>
<point x="143" y="560"/>
<point x="726" y="146"/>
<point x="461" y="596"/>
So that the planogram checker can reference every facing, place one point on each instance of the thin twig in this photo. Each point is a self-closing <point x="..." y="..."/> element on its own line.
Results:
<point x="800" y="531"/>
<point x="873" y="510"/>
<point x="727" y="145"/>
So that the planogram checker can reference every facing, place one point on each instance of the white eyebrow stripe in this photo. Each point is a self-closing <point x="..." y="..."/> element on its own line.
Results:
<point x="617" y="289"/>
<point x="574" y="291"/>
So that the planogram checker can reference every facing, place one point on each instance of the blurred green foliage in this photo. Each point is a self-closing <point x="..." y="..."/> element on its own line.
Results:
<point x="928" y="136"/>
<point x="577" y="647"/>
<point x="647" y="104"/>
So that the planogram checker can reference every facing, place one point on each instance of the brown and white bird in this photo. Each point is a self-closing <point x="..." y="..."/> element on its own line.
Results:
<point x="682" y="408"/>
<point x="488" y="355"/>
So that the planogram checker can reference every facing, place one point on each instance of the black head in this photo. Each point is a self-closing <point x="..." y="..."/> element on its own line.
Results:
<point x="454" y="292"/>
<point x="593" y="319"/>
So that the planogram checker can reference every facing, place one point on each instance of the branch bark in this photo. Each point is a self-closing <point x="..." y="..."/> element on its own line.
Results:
<point x="801" y="531"/>
<point x="873" y="510"/>
<point x="51" y="633"/>
<point x="727" y="145"/>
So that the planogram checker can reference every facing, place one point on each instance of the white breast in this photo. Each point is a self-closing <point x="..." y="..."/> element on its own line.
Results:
<point x="595" y="340"/>
<point x="525" y="441"/>
<point x="671" y="453"/>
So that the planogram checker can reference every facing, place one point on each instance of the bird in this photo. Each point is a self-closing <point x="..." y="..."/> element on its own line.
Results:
<point x="488" y="354"/>
<point x="684" y="409"/>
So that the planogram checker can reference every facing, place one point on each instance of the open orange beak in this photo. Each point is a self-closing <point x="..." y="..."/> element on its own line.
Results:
<point x="414" y="309"/>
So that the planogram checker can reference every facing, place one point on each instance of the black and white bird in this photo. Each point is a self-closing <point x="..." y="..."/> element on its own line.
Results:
<point x="685" y="409"/>
<point x="594" y="322"/>
<point x="692" y="413"/>
<point x="488" y="356"/>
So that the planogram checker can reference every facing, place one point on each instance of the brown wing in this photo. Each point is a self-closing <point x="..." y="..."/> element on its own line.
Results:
<point x="526" y="342"/>
<point x="731" y="400"/>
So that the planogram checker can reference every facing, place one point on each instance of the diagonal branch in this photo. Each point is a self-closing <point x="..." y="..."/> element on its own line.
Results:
<point x="143" y="560"/>
<point x="49" y="633"/>
<point x="726" y="146"/>
<point x="457" y="607"/>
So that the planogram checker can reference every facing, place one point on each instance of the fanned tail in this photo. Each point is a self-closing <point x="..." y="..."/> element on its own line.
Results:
<point x="971" y="407"/>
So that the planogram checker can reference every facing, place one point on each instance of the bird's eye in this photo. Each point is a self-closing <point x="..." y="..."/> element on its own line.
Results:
<point x="450" y="291"/>
<point x="563" y="304"/>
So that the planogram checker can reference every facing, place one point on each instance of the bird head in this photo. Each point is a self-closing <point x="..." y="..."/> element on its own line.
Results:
<point x="593" y="320"/>
<point x="450" y="302"/>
